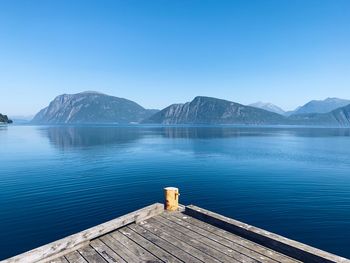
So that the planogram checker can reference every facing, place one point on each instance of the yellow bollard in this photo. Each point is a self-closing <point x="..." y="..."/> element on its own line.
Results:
<point x="171" y="195"/>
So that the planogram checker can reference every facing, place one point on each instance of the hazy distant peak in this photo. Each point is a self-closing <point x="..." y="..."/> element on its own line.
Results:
<point x="91" y="92"/>
<point x="334" y="100"/>
<point x="329" y="100"/>
<point x="322" y="106"/>
<point x="267" y="106"/>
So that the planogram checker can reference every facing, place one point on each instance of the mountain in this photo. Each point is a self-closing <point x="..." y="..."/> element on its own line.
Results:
<point x="4" y="119"/>
<point x="91" y="107"/>
<point x="207" y="110"/>
<point x="338" y="117"/>
<point x="321" y="106"/>
<point x="267" y="106"/>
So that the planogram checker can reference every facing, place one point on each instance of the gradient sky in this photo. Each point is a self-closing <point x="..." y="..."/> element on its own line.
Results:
<point x="162" y="52"/>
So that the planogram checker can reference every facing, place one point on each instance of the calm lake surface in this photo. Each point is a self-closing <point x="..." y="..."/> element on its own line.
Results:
<point x="55" y="181"/>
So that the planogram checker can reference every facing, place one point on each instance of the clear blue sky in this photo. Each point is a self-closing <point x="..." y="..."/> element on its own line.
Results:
<point x="161" y="52"/>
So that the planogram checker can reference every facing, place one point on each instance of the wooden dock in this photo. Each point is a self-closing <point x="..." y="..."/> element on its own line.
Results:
<point x="190" y="234"/>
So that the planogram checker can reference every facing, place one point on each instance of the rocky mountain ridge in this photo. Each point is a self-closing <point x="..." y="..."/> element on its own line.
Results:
<point x="91" y="107"/>
<point x="207" y="110"/>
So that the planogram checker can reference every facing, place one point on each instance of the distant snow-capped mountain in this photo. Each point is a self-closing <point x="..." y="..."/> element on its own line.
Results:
<point x="268" y="106"/>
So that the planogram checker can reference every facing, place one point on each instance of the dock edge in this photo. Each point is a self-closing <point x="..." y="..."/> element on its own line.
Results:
<point x="62" y="246"/>
<point x="286" y="246"/>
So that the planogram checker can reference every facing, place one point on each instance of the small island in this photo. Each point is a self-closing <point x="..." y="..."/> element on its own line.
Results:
<point x="4" y="119"/>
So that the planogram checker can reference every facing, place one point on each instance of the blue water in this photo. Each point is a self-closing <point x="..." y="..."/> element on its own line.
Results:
<point x="55" y="181"/>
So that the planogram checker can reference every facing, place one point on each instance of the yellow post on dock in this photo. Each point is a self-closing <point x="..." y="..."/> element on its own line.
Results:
<point x="171" y="195"/>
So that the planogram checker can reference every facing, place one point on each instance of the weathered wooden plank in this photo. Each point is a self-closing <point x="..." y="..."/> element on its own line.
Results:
<point x="220" y="235"/>
<point x="172" y="249"/>
<point x="121" y="250"/>
<point x="91" y="255"/>
<point x="276" y="242"/>
<point x="234" y="245"/>
<point x="51" y="249"/>
<point x="191" y="246"/>
<point x="149" y="246"/>
<point x="59" y="260"/>
<point x="75" y="257"/>
<point x="193" y="237"/>
<point x="140" y="252"/>
<point x="222" y="253"/>
<point x="106" y="252"/>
